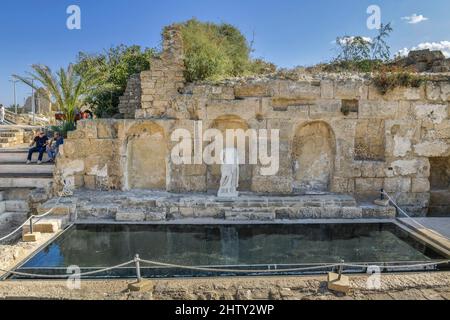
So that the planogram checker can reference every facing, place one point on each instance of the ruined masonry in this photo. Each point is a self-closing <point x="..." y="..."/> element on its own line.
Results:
<point x="340" y="137"/>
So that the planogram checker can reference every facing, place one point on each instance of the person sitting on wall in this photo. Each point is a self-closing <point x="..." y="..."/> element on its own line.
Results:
<point x="88" y="115"/>
<point x="39" y="145"/>
<point x="53" y="146"/>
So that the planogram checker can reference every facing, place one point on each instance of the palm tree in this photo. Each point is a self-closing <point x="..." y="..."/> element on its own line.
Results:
<point x="66" y="88"/>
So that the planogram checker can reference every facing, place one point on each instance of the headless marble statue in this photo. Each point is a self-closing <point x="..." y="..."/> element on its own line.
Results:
<point x="230" y="174"/>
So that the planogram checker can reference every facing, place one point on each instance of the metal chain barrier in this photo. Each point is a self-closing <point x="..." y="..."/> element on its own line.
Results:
<point x="409" y="217"/>
<point x="46" y="276"/>
<point x="30" y="221"/>
<point x="137" y="262"/>
<point x="411" y="266"/>
<point x="324" y="266"/>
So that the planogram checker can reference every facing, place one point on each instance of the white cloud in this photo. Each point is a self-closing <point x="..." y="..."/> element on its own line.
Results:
<point x="443" y="46"/>
<point x="350" y="39"/>
<point x="414" y="19"/>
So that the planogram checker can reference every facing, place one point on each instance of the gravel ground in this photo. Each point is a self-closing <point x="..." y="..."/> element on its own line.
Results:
<point x="421" y="286"/>
<point x="431" y="286"/>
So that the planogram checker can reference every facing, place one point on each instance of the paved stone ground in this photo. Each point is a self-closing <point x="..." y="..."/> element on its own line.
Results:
<point x="434" y="286"/>
<point x="440" y="225"/>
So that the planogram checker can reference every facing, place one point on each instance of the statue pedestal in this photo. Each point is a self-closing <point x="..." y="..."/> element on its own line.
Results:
<point x="228" y="194"/>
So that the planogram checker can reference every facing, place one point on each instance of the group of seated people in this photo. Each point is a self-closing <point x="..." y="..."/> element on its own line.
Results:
<point x="42" y="144"/>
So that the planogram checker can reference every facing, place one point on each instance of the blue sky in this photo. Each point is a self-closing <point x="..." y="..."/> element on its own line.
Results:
<point x="287" y="32"/>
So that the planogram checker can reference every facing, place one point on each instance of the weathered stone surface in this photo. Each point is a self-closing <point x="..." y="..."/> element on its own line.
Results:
<point x="338" y="133"/>
<point x="432" y="149"/>
<point x="397" y="184"/>
<point x="130" y="216"/>
<point x="368" y="185"/>
<point x="420" y="185"/>
<point x="378" y="109"/>
<point x="435" y="113"/>
<point x="350" y="89"/>
<point x="252" y="90"/>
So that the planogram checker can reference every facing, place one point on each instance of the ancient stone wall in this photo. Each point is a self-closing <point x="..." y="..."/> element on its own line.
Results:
<point x="337" y="134"/>
<point x="131" y="100"/>
<point x="320" y="146"/>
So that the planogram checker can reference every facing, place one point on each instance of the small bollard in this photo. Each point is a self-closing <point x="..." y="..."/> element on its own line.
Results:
<point x="382" y="202"/>
<point x="31" y="236"/>
<point x="138" y="268"/>
<point x="140" y="284"/>
<point x="337" y="282"/>
<point x="341" y="270"/>
<point x="31" y="225"/>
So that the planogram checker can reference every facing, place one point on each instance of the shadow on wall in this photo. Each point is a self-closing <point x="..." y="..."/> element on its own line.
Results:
<point x="440" y="187"/>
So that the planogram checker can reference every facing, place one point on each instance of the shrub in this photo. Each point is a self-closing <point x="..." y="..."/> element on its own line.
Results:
<point x="215" y="51"/>
<point x="64" y="128"/>
<point x="389" y="78"/>
<point x="367" y="66"/>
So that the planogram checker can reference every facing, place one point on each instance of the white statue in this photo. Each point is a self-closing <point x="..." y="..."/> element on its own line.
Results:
<point x="230" y="174"/>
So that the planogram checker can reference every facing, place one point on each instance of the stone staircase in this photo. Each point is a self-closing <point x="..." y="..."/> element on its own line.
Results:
<point x="151" y="206"/>
<point x="15" y="173"/>
<point x="11" y="137"/>
<point x="20" y="186"/>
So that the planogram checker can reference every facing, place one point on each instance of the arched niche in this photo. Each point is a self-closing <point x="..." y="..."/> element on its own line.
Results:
<point x="146" y="157"/>
<point x="223" y="123"/>
<point x="314" y="152"/>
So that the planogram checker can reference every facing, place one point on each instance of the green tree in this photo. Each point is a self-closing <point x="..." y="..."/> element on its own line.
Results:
<point x="108" y="74"/>
<point x="353" y="48"/>
<point x="66" y="88"/>
<point x="380" y="49"/>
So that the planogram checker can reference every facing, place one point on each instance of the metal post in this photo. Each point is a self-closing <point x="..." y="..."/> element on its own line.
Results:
<point x="38" y="103"/>
<point x="138" y="268"/>
<point x="382" y="194"/>
<point x="31" y="225"/>
<point x="33" y="103"/>
<point x="15" y="97"/>
<point x="341" y="269"/>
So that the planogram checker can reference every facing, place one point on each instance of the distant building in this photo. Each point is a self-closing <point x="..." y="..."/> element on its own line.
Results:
<point x="42" y="103"/>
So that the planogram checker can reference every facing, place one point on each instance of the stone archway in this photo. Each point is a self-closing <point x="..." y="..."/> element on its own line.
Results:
<point x="314" y="150"/>
<point x="146" y="153"/>
<point x="222" y="124"/>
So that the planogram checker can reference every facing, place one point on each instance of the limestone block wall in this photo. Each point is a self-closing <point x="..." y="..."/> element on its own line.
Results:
<point x="336" y="135"/>
<point x="131" y="100"/>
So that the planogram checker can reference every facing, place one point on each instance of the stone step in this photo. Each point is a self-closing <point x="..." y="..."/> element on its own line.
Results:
<point x="64" y="207"/>
<point x="17" y="206"/>
<point x="8" y="140"/>
<point x="138" y="206"/>
<point x="17" y="156"/>
<point x="90" y="211"/>
<point x="9" y="220"/>
<point x="2" y="206"/>
<point x="25" y="181"/>
<point x="11" y="168"/>
<point x="46" y="225"/>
